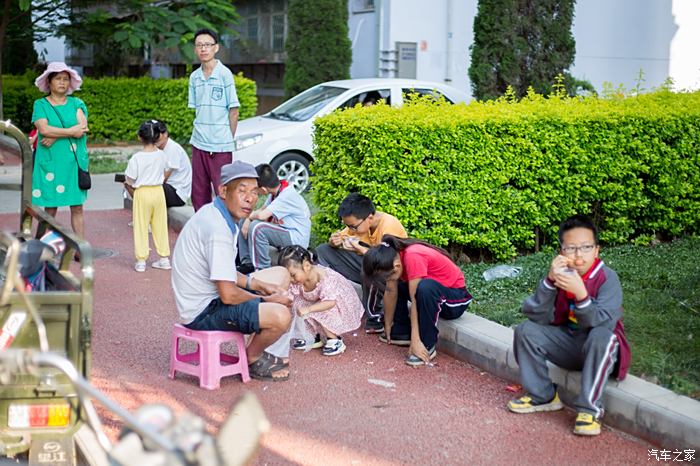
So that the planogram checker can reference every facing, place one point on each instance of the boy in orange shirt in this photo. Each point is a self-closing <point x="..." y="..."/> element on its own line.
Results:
<point x="364" y="228"/>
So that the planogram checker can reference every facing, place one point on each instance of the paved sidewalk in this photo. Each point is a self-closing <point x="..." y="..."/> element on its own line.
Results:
<point x="105" y="194"/>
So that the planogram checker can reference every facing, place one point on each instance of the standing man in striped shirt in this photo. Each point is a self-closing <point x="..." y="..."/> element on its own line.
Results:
<point x="212" y="93"/>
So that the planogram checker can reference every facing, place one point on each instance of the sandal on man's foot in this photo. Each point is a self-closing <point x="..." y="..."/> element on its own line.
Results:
<point x="266" y="366"/>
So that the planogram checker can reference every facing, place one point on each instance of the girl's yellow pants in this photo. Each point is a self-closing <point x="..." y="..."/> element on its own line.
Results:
<point x="149" y="209"/>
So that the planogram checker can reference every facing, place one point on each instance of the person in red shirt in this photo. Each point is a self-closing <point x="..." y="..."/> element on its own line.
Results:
<point x="413" y="270"/>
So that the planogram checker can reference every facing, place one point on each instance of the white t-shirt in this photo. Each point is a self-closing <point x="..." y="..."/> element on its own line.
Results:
<point x="291" y="212"/>
<point x="146" y="168"/>
<point x="204" y="252"/>
<point x="177" y="161"/>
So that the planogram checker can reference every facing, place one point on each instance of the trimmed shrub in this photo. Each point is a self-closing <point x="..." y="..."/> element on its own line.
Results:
<point x="19" y="94"/>
<point x="501" y="175"/>
<point x="117" y="106"/>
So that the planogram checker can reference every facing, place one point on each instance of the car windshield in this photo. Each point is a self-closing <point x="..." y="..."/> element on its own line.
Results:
<point x="307" y="104"/>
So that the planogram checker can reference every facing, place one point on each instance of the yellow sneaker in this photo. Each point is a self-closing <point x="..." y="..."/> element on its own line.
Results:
<point x="586" y="424"/>
<point x="524" y="404"/>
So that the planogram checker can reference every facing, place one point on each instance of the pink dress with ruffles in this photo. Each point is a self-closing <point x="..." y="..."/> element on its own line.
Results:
<point x="344" y="317"/>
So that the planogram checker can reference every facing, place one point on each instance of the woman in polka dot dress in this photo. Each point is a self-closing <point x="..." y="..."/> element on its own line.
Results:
<point x="61" y="121"/>
<point x="324" y="298"/>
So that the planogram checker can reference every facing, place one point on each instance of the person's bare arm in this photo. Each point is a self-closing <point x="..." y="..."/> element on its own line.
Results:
<point x="390" y="298"/>
<point x="233" y="293"/>
<point x="129" y="186"/>
<point x="316" y="307"/>
<point x="417" y="347"/>
<point x="233" y="120"/>
<point x="48" y="131"/>
<point x="82" y="119"/>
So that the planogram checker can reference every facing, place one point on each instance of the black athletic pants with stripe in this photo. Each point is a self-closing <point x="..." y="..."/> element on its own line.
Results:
<point x="434" y="301"/>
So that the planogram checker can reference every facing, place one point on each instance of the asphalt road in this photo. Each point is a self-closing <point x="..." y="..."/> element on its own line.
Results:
<point x="329" y="411"/>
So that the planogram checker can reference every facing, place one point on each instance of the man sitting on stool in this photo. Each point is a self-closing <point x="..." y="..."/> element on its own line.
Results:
<point x="211" y="295"/>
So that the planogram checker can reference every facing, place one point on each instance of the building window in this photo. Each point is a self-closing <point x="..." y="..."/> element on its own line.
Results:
<point x="252" y="29"/>
<point x="278" y="33"/>
<point x="278" y="6"/>
<point x="362" y="6"/>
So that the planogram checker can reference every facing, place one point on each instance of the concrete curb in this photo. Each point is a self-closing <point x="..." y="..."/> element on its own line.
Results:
<point x="635" y="406"/>
<point x="178" y="216"/>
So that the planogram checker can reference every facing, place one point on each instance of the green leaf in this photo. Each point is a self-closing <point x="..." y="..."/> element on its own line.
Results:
<point x="134" y="41"/>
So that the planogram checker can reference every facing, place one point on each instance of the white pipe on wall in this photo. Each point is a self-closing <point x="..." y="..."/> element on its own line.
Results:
<point x="448" y="48"/>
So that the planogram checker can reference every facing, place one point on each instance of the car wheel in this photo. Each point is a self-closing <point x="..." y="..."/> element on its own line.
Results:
<point x="295" y="169"/>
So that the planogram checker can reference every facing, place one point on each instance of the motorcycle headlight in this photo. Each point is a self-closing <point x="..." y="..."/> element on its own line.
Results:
<point x="247" y="141"/>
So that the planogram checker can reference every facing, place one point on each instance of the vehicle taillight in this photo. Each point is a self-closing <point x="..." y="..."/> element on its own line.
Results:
<point x="25" y="416"/>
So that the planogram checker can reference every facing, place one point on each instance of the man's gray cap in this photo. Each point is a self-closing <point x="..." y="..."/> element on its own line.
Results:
<point x="237" y="169"/>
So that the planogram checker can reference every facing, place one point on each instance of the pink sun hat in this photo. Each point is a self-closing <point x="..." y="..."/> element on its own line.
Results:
<point x="42" y="82"/>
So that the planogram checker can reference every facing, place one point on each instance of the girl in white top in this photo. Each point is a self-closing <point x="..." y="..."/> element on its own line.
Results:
<point x="144" y="181"/>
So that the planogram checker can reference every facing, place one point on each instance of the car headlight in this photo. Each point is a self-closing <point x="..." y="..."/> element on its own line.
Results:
<point x="247" y="141"/>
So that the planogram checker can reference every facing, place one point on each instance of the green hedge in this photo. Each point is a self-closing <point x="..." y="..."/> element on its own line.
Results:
<point x="117" y="106"/>
<point x="500" y="176"/>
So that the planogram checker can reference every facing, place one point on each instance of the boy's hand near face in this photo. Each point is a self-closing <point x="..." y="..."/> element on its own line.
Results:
<point x="566" y="278"/>
<point x="572" y="282"/>
<point x="336" y="240"/>
<point x="558" y="263"/>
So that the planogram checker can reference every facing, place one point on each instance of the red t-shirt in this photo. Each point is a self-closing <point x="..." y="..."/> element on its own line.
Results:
<point x="423" y="262"/>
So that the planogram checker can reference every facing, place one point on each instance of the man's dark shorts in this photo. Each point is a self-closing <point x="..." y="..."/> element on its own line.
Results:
<point x="243" y="317"/>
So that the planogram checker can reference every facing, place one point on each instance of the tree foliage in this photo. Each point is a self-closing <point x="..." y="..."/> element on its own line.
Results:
<point x="18" y="48"/>
<point x="521" y="43"/>
<point x="145" y="27"/>
<point x="23" y="22"/>
<point x="318" y="46"/>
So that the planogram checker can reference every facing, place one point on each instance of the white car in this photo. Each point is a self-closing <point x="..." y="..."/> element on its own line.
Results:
<point x="282" y="137"/>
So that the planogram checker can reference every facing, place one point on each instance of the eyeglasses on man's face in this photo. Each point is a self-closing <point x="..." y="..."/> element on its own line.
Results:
<point x="357" y="225"/>
<point x="570" y="250"/>
<point x="204" y="46"/>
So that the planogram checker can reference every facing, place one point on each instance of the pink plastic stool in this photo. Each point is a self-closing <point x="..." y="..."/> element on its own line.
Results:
<point x="208" y="355"/>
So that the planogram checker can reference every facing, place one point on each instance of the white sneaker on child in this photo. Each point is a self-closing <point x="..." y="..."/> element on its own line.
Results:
<point x="162" y="263"/>
<point x="334" y="346"/>
<point x="140" y="266"/>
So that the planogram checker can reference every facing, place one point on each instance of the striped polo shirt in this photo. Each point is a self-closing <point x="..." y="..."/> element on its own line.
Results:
<point x="212" y="98"/>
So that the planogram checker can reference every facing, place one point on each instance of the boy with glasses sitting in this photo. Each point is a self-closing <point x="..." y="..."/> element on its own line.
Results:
<point x="364" y="228"/>
<point x="574" y="321"/>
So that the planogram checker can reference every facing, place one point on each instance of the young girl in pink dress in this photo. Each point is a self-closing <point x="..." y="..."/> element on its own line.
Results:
<point x="325" y="299"/>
